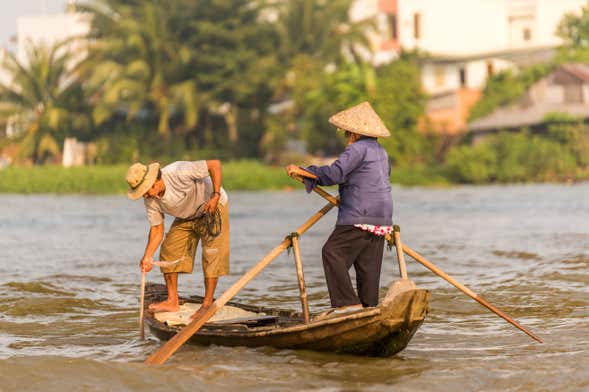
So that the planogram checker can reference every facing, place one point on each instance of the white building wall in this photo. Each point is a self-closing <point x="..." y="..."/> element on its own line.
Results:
<point x="438" y="78"/>
<point x="473" y="28"/>
<point x="478" y="70"/>
<point x="462" y="27"/>
<point x="454" y="27"/>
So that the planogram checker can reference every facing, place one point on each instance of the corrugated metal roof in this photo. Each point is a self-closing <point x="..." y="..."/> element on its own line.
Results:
<point x="515" y="117"/>
<point x="581" y="71"/>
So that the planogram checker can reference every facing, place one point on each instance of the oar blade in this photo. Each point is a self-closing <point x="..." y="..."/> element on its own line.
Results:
<point x="172" y="345"/>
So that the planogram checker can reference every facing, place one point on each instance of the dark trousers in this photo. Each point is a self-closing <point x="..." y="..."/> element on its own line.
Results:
<point x="347" y="246"/>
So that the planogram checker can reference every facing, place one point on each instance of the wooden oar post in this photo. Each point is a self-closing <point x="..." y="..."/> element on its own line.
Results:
<point x="399" y="248"/>
<point x="142" y="306"/>
<point x="300" y="275"/>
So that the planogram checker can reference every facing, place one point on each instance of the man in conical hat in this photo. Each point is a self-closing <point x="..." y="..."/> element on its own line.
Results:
<point x="365" y="214"/>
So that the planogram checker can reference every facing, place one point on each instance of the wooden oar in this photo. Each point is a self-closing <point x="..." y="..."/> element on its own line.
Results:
<point x="443" y="275"/>
<point x="467" y="291"/>
<point x="141" y="306"/>
<point x="183" y="335"/>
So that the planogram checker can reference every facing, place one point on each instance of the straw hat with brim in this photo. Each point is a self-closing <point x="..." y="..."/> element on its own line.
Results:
<point x="140" y="178"/>
<point x="361" y="119"/>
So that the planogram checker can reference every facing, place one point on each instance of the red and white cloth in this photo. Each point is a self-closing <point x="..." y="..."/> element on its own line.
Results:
<point x="375" y="229"/>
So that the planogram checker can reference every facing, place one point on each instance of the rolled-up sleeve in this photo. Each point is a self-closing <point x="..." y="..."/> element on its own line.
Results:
<point x="338" y="171"/>
<point x="154" y="213"/>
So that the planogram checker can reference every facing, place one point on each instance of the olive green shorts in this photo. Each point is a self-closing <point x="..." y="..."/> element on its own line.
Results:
<point x="183" y="238"/>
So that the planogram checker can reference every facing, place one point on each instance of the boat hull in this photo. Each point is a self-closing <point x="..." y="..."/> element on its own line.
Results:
<point x="380" y="331"/>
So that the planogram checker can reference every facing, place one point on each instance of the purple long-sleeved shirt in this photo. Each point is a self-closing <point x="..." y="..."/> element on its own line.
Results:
<point x="362" y="172"/>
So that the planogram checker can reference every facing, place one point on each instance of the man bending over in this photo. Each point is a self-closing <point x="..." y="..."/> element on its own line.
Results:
<point x="192" y="193"/>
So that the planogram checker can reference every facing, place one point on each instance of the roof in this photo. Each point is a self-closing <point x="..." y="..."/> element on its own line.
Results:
<point x="517" y="117"/>
<point x="581" y="71"/>
<point x="520" y="56"/>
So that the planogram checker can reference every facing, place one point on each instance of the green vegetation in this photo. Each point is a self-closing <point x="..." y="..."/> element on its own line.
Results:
<point x="43" y="99"/>
<point x="56" y="179"/>
<point x="523" y="157"/>
<point x="505" y="88"/>
<point x="240" y="81"/>
<point x="109" y="179"/>
<point x="574" y="30"/>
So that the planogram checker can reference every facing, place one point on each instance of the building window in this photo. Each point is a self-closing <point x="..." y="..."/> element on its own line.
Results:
<point x="462" y="74"/>
<point x="440" y="76"/>
<point x="573" y="93"/>
<point x="393" y="26"/>
<point x="417" y="25"/>
<point x="490" y="69"/>
<point x="527" y="34"/>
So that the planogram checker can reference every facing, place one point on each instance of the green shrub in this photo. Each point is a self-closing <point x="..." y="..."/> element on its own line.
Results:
<point x="505" y="88"/>
<point x="471" y="164"/>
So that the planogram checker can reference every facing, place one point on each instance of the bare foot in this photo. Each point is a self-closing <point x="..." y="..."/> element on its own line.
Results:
<point x="203" y="308"/>
<point x="165" y="306"/>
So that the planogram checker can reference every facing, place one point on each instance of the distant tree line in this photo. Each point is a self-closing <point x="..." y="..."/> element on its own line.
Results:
<point x="230" y="78"/>
<point x="233" y="79"/>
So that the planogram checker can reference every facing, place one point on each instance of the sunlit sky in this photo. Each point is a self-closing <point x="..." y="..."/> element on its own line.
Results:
<point x="11" y="9"/>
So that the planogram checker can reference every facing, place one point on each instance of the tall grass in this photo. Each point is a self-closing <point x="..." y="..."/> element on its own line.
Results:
<point x="56" y="179"/>
<point x="110" y="179"/>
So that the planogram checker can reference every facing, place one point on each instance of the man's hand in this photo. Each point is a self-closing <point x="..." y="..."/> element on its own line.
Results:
<point x="211" y="205"/>
<point x="294" y="170"/>
<point x="145" y="264"/>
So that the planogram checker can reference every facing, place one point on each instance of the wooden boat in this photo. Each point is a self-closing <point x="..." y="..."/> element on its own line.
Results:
<point x="379" y="331"/>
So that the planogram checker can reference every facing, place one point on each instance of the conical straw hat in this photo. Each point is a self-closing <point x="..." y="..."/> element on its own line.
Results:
<point x="361" y="119"/>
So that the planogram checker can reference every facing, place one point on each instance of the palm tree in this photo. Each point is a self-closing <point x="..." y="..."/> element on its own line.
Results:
<point x="182" y="60"/>
<point x="320" y="29"/>
<point x="139" y="60"/>
<point x="43" y="98"/>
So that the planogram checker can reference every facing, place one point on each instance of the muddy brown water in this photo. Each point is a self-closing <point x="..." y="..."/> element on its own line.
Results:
<point x="69" y="286"/>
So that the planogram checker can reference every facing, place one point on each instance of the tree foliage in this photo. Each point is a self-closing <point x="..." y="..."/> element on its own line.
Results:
<point x="400" y="101"/>
<point x="44" y="99"/>
<point x="574" y="30"/>
<point x="507" y="87"/>
<point x="321" y="30"/>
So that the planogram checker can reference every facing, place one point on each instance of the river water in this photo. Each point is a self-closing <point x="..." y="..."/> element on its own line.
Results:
<point x="69" y="287"/>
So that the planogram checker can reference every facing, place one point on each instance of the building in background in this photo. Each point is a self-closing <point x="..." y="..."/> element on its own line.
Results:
<point x="564" y="91"/>
<point x="466" y="41"/>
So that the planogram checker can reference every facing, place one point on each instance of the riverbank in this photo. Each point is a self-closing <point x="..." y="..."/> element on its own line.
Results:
<point x="107" y="180"/>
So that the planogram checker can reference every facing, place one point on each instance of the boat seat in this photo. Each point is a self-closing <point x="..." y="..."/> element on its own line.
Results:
<point x="253" y="321"/>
